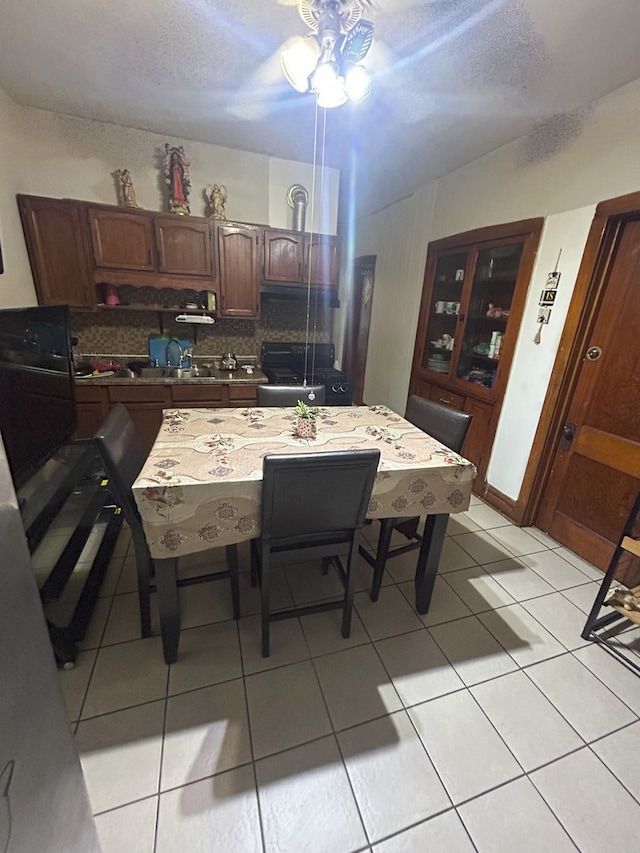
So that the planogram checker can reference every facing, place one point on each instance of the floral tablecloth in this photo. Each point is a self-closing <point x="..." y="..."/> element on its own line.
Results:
<point x="201" y="484"/>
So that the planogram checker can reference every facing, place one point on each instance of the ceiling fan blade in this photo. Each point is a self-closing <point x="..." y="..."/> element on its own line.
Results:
<point x="264" y="85"/>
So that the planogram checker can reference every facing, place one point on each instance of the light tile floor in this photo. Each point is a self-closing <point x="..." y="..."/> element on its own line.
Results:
<point x="487" y="725"/>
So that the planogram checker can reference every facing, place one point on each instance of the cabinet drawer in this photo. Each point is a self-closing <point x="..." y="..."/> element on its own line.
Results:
<point x="90" y="394"/>
<point x="139" y="394"/>
<point x="242" y="394"/>
<point x="197" y="394"/>
<point x="447" y="398"/>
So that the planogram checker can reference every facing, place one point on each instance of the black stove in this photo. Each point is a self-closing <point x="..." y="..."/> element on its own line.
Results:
<point x="289" y="364"/>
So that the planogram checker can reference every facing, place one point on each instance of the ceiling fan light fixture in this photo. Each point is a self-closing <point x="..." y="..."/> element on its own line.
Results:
<point x="333" y="95"/>
<point x="299" y="60"/>
<point x="327" y="63"/>
<point x="357" y="83"/>
<point x="357" y="42"/>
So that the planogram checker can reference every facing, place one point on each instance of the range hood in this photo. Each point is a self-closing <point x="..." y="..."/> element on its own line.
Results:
<point x="298" y="293"/>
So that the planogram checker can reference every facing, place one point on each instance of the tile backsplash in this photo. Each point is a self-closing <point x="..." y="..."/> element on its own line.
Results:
<point x="110" y="331"/>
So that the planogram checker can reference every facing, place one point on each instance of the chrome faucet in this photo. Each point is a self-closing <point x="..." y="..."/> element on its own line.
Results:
<point x="180" y="352"/>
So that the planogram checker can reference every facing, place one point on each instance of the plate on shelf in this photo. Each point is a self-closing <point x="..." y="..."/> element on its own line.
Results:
<point x="94" y="375"/>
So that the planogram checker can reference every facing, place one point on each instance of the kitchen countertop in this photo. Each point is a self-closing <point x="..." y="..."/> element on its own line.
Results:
<point x="218" y="377"/>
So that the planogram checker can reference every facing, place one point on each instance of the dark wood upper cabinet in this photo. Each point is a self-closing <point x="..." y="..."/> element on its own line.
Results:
<point x="238" y="248"/>
<point x="283" y="256"/>
<point x="56" y="238"/>
<point x="122" y="240"/>
<point x="183" y="245"/>
<point x="474" y="293"/>
<point x="322" y="260"/>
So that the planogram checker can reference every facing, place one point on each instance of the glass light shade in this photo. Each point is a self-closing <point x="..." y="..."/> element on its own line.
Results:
<point x="298" y="61"/>
<point x="357" y="83"/>
<point x="333" y="95"/>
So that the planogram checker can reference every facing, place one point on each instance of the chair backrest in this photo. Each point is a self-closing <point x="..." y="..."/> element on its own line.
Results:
<point x="446" y="425"/>
<point x="122" y="455"/>
<point x="288" y="395"/>
<point x="316" y="493"/>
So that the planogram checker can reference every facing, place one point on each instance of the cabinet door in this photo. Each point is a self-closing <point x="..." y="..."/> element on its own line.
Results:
<point x="121" y="240"/>
<point x="243" y="395"/>
<point x="92" y="406"/>
<point x="54" y="232"/>
<point x="283" y="256"/>
<point x="322" y="261"/>
<point x="443" y="312"/>
<point x="487" y="313"/>
<point x="184" y="246"/>
<point x="477" y="445"/>
<point x="144" y="404"/>
<point x="239" y="287"/>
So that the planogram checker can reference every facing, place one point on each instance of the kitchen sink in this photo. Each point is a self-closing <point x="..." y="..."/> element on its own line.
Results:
<point x="174" y="373"/>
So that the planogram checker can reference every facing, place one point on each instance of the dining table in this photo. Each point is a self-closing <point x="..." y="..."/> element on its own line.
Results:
<point x="201" y="484"/>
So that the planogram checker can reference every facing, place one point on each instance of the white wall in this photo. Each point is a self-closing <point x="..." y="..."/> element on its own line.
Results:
<point x="398" y="236"/>
<point x="66" y="157"/>
<point x="560" y="172"/>
<point x="16" y="284"/>
<point x="564" y="235"/>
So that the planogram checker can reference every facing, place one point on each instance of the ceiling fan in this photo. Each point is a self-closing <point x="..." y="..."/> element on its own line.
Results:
<point x="327" y="60"/>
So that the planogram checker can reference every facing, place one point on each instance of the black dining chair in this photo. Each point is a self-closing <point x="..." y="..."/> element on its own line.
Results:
<point x="449" y="427"/>
<point x="313" y="506"/>
<point x="288" y="395"/>
<point x="122" y="456"/>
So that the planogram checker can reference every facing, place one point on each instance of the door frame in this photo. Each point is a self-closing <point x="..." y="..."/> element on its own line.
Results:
<point x="588" y="293"/>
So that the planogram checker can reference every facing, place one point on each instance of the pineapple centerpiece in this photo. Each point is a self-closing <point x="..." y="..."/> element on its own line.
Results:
<point x="305" y="426"/>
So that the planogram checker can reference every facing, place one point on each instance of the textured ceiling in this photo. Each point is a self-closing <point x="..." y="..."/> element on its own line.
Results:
<point x="452" y="79"/>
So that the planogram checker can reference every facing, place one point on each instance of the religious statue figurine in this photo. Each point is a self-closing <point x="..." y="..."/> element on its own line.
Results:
<point x="176" y="177"/>
<point x="127" y="193"/>
<point x="216" y="196"/>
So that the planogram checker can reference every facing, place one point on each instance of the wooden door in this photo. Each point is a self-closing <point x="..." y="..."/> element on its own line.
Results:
<point x="121" y="240"/>
<point x="283" y="256"/>
<point x="356" y="336"/>
<point x="322" y="265"/>
<point x="184" y="246"/>
<point x="595" y="472"/>
<point x="55" y="236"/>
<point x="239" y="287"/>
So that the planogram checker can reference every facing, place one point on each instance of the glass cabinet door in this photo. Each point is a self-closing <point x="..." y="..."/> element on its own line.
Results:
<point x="443" y="312"/>
<point x="487" y="315"/>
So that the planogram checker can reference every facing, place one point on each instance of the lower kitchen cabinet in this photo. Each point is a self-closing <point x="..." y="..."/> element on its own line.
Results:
<point x="242" y="395"/>
<point x="92" y="406"/>
<point x="146" y="402"/>
<point x="198" y="396"/>
<point x="475" y="448"/>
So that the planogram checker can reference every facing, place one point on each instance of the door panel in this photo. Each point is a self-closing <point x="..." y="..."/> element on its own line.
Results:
<point x="596" y="468"/>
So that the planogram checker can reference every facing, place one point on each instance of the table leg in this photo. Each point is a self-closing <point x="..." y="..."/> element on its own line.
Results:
<point x="435" y="529"/>
<point x="168" y="605"/>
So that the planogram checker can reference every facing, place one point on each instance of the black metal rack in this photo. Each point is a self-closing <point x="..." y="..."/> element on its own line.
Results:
<point x="74" y="470"/>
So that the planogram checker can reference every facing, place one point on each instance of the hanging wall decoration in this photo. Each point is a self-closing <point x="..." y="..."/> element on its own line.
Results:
<point x="125" y="187"/>
<point x="216" y="196"/>
<point x="176" y="177"/>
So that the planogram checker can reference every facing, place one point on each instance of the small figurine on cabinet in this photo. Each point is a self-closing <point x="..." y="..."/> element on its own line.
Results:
<point x="125" y="184"/>
<point x="216" y="196"/>
<point x="176" y="177"/>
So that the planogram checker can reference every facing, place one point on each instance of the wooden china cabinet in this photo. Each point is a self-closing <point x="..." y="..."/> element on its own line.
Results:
<point x="474" y="293"/>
